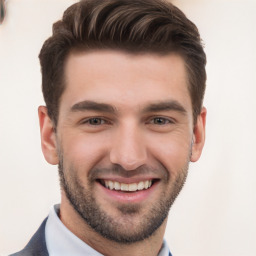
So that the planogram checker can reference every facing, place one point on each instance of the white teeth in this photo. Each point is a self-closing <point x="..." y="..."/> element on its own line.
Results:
<point x="111" y="185"/>
<point x="128" y="187"/>
<point x="117" y="185"/>
<point x="141" y="185"/>
<point x="124" y="187"/>
<point x="146" y="184"/>
<point x="133" y="187"/>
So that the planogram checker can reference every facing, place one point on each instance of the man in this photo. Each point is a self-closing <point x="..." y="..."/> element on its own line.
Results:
<point x="123" y="83"/>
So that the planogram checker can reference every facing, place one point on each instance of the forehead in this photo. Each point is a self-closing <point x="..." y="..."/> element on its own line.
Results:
<point x="124" y="79"/>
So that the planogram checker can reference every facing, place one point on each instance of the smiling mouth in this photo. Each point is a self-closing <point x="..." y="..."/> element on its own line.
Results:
<point x="132" y="187"/>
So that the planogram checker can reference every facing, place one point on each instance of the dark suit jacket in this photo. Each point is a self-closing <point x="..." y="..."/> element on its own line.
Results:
<point x="37" y="245"/>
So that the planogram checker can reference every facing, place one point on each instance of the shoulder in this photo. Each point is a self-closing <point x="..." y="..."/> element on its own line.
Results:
<point x="37" y="245"/>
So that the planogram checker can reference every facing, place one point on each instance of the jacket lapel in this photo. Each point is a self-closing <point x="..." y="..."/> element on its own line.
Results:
<point x="37" y="245"/>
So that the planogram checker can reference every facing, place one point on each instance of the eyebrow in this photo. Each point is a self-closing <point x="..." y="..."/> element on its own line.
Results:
<point x="171" y="105"/>
<point x="94" y="106"/>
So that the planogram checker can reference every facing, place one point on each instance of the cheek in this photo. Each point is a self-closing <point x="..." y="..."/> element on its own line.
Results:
<point x="82" y="150"/>
<point x="172" y="151"/>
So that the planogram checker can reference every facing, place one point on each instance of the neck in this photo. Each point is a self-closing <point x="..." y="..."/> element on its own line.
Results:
<point x="73" y="221"/>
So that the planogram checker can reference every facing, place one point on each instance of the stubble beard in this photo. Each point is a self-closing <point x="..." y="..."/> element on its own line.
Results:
<point x="85" y="204"/>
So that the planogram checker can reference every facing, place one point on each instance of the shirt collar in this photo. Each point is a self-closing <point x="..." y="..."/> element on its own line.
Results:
<point x="60" y="241"/>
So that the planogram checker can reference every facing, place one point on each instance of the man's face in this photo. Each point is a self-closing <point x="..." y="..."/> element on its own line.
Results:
<point x="124" y="140"/>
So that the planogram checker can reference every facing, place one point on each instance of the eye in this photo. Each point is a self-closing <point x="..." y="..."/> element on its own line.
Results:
<point x="94" y="124"/>
<point x="161" y="124"/>
<point x="161" y="121"/>
<point x="96" y="121"/>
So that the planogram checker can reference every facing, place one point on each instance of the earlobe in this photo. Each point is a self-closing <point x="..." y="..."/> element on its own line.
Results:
<point x="48" y="136"/>
<point x="198" y="136"/>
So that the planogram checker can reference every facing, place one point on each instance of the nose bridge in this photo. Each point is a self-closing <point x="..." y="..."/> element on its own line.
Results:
<point x="128" y="148"/>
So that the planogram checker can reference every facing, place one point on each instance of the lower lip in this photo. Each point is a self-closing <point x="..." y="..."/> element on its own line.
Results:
<point x="128" y="197"/>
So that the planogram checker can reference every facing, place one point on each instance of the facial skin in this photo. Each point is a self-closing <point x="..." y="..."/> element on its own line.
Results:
<point x="124" y="120"/>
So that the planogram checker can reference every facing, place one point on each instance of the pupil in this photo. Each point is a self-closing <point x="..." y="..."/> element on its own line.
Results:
<point x="95" y="121"/>
<point x="159" y="121"/>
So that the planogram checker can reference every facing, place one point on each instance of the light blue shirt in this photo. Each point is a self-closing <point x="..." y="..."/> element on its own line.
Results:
<point x="60" y="241"/>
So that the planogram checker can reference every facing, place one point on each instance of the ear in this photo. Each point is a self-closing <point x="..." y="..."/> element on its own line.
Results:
<point x="48" y="136"/>
<point x="198" y="136"/>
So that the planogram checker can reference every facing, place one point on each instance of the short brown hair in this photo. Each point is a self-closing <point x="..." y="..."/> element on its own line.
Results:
<point x="155" y="26"/>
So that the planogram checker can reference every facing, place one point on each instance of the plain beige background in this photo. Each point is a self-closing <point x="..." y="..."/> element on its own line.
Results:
<point x="215" y="213"/>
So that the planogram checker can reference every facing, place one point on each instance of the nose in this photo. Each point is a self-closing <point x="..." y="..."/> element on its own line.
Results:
<point x="128" y="148"/>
